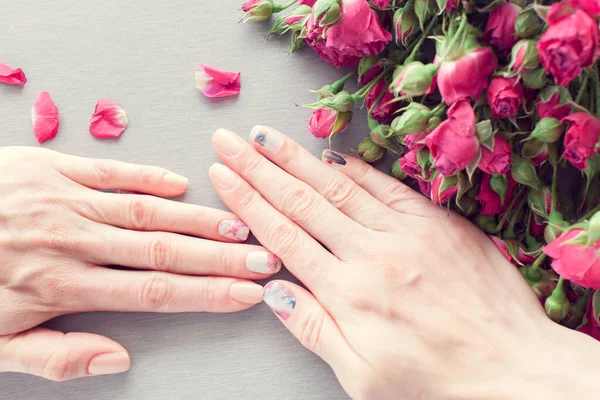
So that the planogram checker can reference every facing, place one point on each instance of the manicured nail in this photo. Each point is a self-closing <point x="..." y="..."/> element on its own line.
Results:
<point x="280" y="299"/>
<point x="334" y="159"/>
<point x="224" y="177"/>
<point x="228" y="142"/>
<point x="263" y="262"/>
<point x="246" y="292"/>
<point x="234" y="230"/>
<point x="265" y="138"/>
<point x="109" y="363"/>
<point x="176" y="181"/>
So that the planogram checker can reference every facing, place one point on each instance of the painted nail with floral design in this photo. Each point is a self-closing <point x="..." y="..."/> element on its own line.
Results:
<point x="334" y="159"/>
<point x="281" y="300"/>
<point x="265" y="138"/>
<point x="234" y="230"/>
<point x="263" y="262"/>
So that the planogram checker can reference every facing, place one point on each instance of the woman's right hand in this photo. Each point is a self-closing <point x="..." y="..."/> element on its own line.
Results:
<point x="58" y="234"/>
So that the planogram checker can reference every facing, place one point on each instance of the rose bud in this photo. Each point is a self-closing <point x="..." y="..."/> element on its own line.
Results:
<point x="594" y="228"/>
<point x="369" y="68"/>
<point x="524" y="172"/>
<point x="556" y="226"/>
<point x="557" y="305"/>
<point x="405" y="25"/>
<point x="379" y="103"/>
<point x="504" y="96"/>
<point x="370" y="152"/>
<point x="414" y="79"/>
<point x="525" y="56"/>
<point x="536" y="228"/>
<point x="381" y="4"/>
<point x="408" y="164"/>
<point x="453" y="144"/>
<point x="498" y="160"/>
<point x="539" y="201"/>
<point x="581" y="139"/>
<point x="500" y="29"/>
<point x="547" y="130"/>
<point x="413" y="121"/>
<point x="397" y="171"/>
<point x="443" y="189"/>
<point x="309" y="3"/>
<point x="451" y="5"/>
<point x="552" y="102"/>
<point x="415" y="142"/>
<point x="326" y="122"/>
<point x="425" y="187"/>
<point x="258" y="10"/>
<point x="569" y="45"/>
<point x="380" y="135"/>
<point x="466" y="76"/>
<point x="535" y="151"/>
<point x="491" y="203"/>
<point x="296" y="20"/>
<point x="535" y="79"/>
<point x="592" y="326"/>
<point x="527" y="24"/>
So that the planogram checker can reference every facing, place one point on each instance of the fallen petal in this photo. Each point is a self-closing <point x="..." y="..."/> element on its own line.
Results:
<point x="12" y="76"/>
<point x="44" y="116"/>
<point x="109" y="120"/>
<point x="215" y="83"/>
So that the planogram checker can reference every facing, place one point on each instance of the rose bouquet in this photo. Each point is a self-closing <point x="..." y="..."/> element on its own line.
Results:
<point x="490" y="108"/>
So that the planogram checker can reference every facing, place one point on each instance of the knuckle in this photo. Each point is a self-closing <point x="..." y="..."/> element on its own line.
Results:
<point x="340" y="192"/>
<point x="224" y="262"/>
<point x="57" y="366"/>
<point x="154" y="293"/>
<point x="55" y="289"/>
<point x="361" y="172"/>
<point x="246" y="199"/>
<point x="254" y="163"/>
<point x="395" y="193"/>
<point x="57" y="238"/>
<point x="162" y="253"/>
<point x="311" y="329"/>
<point x="140" y="215"/>
<point x="105" y="171"/>
<point x="149" y="175"/>
<point x="209" y="294"/>
<point x="283" y="239"/>
<point x="298" y="202"/>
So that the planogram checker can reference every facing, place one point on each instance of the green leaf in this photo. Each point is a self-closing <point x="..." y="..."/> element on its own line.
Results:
<point x="424" y="159"/>
<point x="424" y="11"/>
<point x="532" y="148"/>
<point x="298" y="42"/>
<point x="591" y="171"/>
<point x="499" y="185"/>
<point x="485" y="133"/>
<point x="464" y="185"/>
<point x="542" y="11"/>
<point x="596" y="305"/>
<point x="471" y="168"/>
<point x="513" y="249"/>
<point x="524" y="172"/>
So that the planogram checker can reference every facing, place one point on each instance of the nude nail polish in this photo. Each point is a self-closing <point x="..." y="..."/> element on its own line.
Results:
<point x="175" y="181"/>
<point x="334" y="159"/>
<point x="109" y="363"/>
<point x="234" y="230"/>
<point x="246" y="292"/>
<point x="265" y="138"/>
<point x="263" y="262"/>
<point x="281" y="300"/>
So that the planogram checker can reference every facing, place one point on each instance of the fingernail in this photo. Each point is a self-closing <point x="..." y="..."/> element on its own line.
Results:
<point x="224" y="177"/>
<point x="234" y="230"/>
<point x="265" y="138"/>
<point x="263" y="262"/>
<point x="334" y="159"/>
<point x="246" y="292"/>
<point x="176" y="181"/>
<point x="280" y="299"/>
<point x="228" y="142"/>
<point x="109" y="363"/>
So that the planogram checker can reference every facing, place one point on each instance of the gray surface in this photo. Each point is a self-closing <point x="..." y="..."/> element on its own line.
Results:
<point x="143" y="54"/>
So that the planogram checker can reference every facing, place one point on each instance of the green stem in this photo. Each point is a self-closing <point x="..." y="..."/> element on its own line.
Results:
<point x="339" y="84"/>
<point x="583" y="86"/>
<point x="457" y="36"/>
<point x="510" y="207"/>
<point x="538" y="261"/>
<point x="365" y="89"/>
<point x="596" y="82"/>
<point x="418" y="45"/>
<point x="554" y="199"/>
<point x="590" y="213"/>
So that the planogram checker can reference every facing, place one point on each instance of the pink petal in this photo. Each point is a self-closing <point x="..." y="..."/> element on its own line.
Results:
<point x="109" y="120"/>
<point x="215" y="83"/>
<point x="11" y="76"/>
<point x="44" y="116"/>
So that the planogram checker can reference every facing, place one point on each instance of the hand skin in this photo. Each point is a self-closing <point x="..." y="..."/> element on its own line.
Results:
<point x="408" y="302"/>
<point x="58" y="234"/>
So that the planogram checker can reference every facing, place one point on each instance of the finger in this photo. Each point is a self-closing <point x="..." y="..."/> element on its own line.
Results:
<point x="336" y="187"/>
<point x="111" y="174"/>
<point x="135" y="291"/>
<point x="311" y="324"/>
<point x="149" y="213"/>
<point x="293" y="198"/>
<point x="179" y="254"/>
<point x="388" y="190"/>
<point x="300" y="253"/>
<point x="59" y="357"/>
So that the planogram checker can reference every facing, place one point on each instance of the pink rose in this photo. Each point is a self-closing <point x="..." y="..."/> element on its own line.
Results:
<point x="550" y="107"/>
<point x="536" y="229"/>
<point x="443" y="197"/>
<point x="453" y="144"/>
<point x="497" y="161"/>
<point x="500" y="29"/>
<point x="381" y="3"/>
<point x="378" y="102"/>
<point x="358" y="34"/>
<point x="408" y="164"/>
<point x="541" y="157"/>
<point x="326" y="122"/>
<point x="371" y="74"/>
<point x="569" y="45"/>
<point x="309" y="3"/>
<point x="451" y="5"/>
<point x="491" y="202"/>
<point x="576" y="262"/>
<point x="415" y="142"/>
<point x="581" y="139"/>
<point x="425" y="187"/>
<point x="504" y="96"/>
<point x="466" y="76"/>
<point x="592" y="327"/>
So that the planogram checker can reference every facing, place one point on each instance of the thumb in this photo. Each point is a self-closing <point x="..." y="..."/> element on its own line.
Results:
<point x="59" y="357"/>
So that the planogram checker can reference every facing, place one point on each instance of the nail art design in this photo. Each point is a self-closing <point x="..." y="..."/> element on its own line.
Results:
<point x="265" y="139"/>
<point x="234" y="230"/>
<point x="263" y="262"/>
<point x="280" y="299"/>
<point x="334" y="159"/>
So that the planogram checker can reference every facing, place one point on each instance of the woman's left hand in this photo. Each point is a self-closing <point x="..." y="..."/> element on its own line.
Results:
<point x="407" y="301"/>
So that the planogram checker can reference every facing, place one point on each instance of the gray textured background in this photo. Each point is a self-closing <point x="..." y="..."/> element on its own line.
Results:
<point x="143" y="54"/>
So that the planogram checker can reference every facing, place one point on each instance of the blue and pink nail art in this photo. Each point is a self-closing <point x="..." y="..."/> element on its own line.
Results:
<point x="280" y="299"/>
<point x="266" y="139"/>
